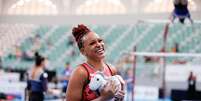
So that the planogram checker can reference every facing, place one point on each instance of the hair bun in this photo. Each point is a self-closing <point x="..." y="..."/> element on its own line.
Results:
<point x="38" y="56"/>
<point x="38" y="59"/>
<point x="79" y="31"/>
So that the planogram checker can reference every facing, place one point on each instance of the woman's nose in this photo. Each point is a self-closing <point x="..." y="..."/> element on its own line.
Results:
<point x="99" y="44"/>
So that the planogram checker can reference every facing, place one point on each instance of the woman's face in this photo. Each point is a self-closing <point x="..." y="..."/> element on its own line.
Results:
<point x="93" y="46"/>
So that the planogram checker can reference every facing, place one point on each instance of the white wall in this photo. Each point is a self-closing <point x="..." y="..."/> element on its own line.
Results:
<point x="68" y="7"/>
<point x="6" y="4"/>
<point x="70" y="19"/>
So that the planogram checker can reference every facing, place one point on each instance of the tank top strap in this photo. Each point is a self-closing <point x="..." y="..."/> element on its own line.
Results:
<point x="88" y="69"/>
<point x="110" y="70"/>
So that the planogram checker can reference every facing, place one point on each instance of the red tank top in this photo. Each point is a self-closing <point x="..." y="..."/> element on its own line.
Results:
<point x="88" y="94"/>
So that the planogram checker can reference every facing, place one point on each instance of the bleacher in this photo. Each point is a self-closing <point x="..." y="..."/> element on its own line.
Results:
<point x="146" y="36"/>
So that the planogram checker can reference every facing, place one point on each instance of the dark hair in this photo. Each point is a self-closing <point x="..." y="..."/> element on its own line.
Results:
<point x="38" y="59"/>
<point x="78" y="33"/>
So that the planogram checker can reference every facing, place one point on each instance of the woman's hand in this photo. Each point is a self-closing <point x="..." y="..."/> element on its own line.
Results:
<point x="119" y="96"/>
<point x="121" y="93"/>
<point x="108" y="91"/>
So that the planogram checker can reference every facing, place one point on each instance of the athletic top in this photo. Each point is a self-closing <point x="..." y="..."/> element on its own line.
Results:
<point x="181" y="10"/>
<point x="88" y="94"/>
<point x="38" y="83"/>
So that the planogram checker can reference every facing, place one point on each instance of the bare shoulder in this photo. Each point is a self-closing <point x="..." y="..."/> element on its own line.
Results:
<point x="80" y="72"/>
<point x="76" y="83"/>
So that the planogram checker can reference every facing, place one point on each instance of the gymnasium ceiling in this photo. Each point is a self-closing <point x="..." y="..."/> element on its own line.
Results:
<point x="91" y="7"/>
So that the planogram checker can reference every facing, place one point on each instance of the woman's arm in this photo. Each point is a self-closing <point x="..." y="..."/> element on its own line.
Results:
<point x="76" y="84"/>
<point x="44" y="81"/>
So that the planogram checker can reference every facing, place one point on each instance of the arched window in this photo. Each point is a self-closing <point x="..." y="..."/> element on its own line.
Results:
<point x="101" y="7"/>
<point x="159" y="6"/>
<point x="33" y="7"/>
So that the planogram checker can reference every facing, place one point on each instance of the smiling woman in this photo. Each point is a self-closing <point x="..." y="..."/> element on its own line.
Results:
<point x="91" y="45"/>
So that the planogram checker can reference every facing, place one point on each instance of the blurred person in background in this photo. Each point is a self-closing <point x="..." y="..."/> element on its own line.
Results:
<point x="181" y="11"/>
<point x="65" y="76"/>
<point x="37" y="83"/>
<point x="191" y="86"/>
<point x="129" y="83"/>
<point x="175" y="49"/>
<point x="91" y="45"/>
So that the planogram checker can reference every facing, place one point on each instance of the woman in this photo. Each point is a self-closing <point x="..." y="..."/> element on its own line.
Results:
<point x="181" y="11"/>
<point x="37" y="80"/>
<point x="92" y="47"/>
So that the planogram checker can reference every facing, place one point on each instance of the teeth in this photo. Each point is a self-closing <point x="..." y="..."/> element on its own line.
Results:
<point x="99" y="50"/>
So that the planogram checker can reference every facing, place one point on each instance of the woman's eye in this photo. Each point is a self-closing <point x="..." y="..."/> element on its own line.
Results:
<point x="100" y="40"/>
<point x="92" y="43"/>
